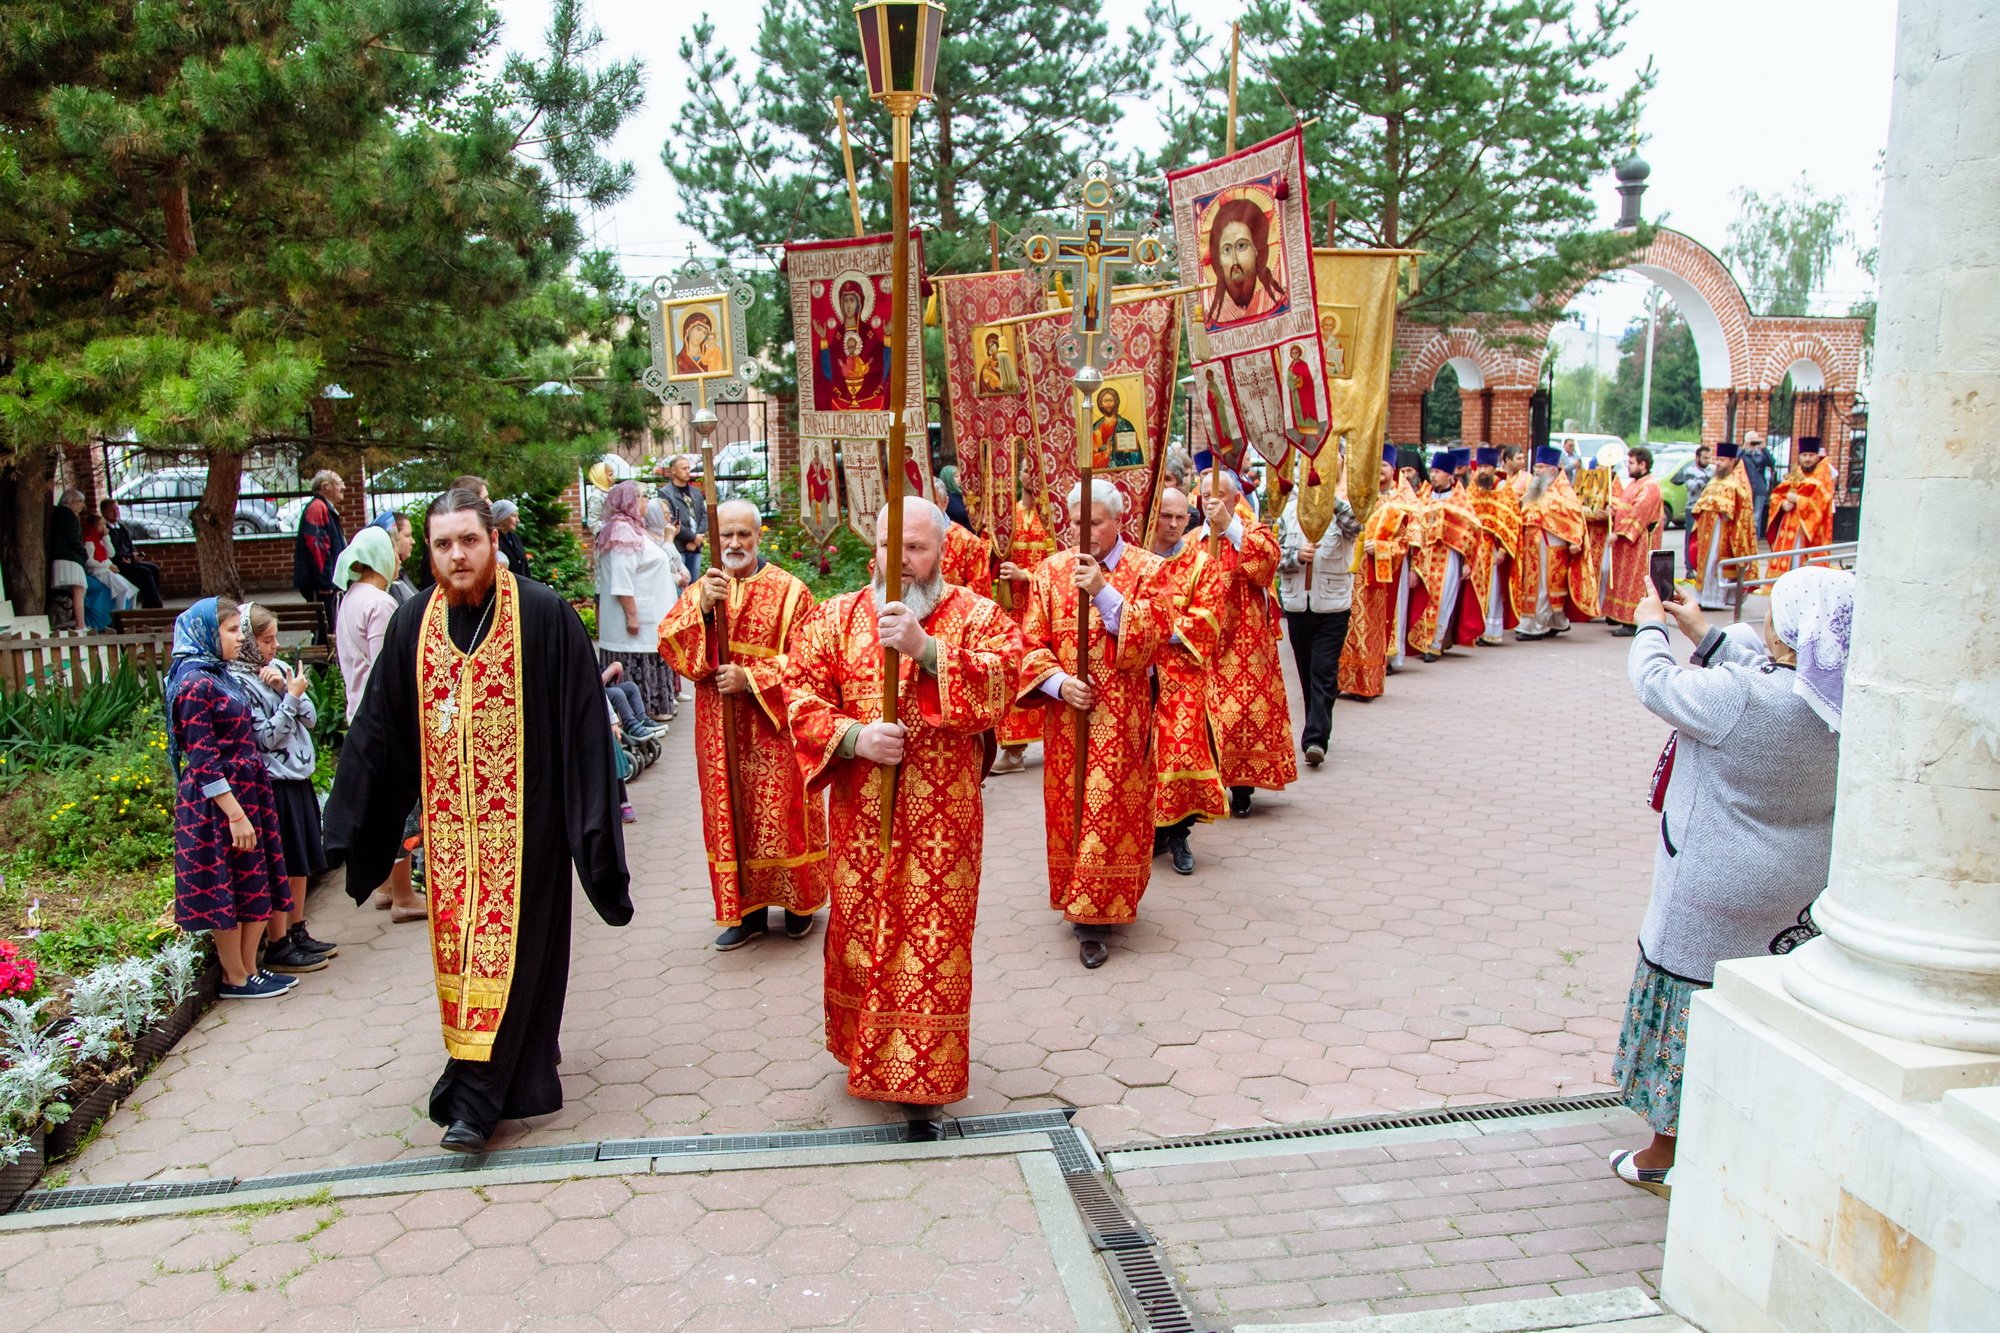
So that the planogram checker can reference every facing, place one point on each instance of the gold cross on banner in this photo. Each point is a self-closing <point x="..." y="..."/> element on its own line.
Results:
<point x="1090" y="257"/>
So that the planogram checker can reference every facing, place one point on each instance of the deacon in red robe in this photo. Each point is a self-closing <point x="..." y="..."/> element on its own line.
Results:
<point x="1246" y="685"/>
<point x="1450" y="542"/>
<point x="1385" y="538"/>
<point x="1097" y="873"/>
<point x="1551" y="540"/>
<point x="761" y="609"/>
<point x="1801" y="509"/>
<point x="1189" y="776"/>
<point x="1635" y="522"/>
<point x="899" y="937"/>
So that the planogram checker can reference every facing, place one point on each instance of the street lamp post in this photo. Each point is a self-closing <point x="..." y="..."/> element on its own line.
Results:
<point x="899" y="46"/>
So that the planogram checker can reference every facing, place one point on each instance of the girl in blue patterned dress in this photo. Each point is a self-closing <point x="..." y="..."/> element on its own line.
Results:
<point x="229" y="863"/>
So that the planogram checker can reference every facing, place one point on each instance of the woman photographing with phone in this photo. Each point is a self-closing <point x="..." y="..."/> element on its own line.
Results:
<point x="1744" y="791"/>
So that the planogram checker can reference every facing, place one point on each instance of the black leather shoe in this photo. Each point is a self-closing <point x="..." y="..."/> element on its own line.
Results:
<point x="740" y="934"/>
<point x="1430" y="657"/>
<point x="1177" y="847"/>
<point x="462" y="1137"/>
<point x="1093" y="952"/>
<point x="1239" y="802"/>
<point x="797" y="927"/>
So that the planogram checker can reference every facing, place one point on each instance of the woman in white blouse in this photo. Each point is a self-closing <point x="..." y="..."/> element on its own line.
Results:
<point x="637" y="580"/>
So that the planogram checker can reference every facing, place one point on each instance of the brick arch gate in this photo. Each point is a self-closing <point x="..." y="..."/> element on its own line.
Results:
<point x="1743" y="358"/>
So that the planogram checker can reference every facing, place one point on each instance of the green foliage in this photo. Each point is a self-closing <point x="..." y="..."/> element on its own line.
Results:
<point x="111" y="815"/>
<point x="1783" y="246"/>
<point x="327" y="689"/>
<point x="48" y="727"/>
<point x="132" y="926"/>
<point x="555" y="555"/>
<point x="1026" y="94"/>
<point x="209" y="210"/>
<point x="1676" y="403"/>
<point x="841" y="565"/>
<point x="1577" y="395"/>
<point x="1474" y="130"/>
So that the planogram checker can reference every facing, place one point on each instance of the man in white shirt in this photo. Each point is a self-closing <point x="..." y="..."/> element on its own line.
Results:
<point x="1316" y="589"/>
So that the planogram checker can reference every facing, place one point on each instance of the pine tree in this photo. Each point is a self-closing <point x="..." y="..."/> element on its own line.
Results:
<point x="1474" y="130"/>
<point x="1026" y="96"/>
<point x="210" y="209"/>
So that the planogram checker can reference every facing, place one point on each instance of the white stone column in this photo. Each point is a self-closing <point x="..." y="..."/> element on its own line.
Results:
<point x="1912" y="912"/>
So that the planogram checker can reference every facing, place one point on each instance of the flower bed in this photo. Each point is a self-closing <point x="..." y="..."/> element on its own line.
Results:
<point x="67" y="1061"/>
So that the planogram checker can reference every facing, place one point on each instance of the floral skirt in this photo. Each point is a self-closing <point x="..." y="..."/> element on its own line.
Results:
<point x="1652" y="1046"/>
<point x="650" y="672"/>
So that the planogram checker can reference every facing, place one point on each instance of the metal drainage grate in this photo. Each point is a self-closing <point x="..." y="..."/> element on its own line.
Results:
<point x="93" y="1196"/>
<point x="1073" y="1155"/>
<point x="1152" y="1297"/>
<point x="1457" y="1115"/>
<point x="1111" y="1225"/>
<point x="704" y="1145"/>
<point x="444" y="1165"/>
<point x="1026" y="1122"/>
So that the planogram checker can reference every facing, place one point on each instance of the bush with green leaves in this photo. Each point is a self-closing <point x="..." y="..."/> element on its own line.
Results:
<point x="555" y="556"/>
<point x="114" y="814"/>
<point x="47" y="726"/>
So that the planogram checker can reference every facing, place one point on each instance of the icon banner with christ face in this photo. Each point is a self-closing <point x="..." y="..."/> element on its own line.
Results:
<point x="842" y="299"/>
<point x="1242" y="225"/>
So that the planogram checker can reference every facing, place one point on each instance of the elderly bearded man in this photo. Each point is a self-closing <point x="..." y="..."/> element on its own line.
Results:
<point x="1801" y="509"/>
<point x="1188" y="776"/>
<point x="899" y="937"/>
<point x="1097" y="873"/>
<point x="1246" y="687"/>
<point x="486" y="703"/>
<point x="762" y="609"/>
<point x="1725" y="527"/>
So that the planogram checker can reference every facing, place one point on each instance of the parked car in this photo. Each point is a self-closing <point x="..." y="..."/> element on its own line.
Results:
<point x="1667" y="460"/>
<point x="157" y="505"/>
<point x="742" y="472"/>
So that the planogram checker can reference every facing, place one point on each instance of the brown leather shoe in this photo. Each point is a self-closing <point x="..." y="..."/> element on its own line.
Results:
<point x="1093" y="952"/>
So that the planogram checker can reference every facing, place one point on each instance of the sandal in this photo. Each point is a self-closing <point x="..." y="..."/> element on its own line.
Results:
<point x="1652" y="1181"/>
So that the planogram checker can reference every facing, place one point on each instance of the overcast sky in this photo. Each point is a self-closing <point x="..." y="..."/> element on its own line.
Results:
<point x="1751" y="93"/>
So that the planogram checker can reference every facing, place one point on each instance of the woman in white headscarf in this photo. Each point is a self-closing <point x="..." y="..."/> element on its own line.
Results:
<point x="1745" y="796"/>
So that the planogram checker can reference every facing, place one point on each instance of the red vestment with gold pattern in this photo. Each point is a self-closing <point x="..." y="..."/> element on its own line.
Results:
<point x="786" y="828"/>
<point x="1246" y="688"/>
<point x="1808" y="523"/>
<point x="1634" y="512"/>
<point x="1187" y="773"/>
<point x="1572" y="579"/>
<point x="1448" y="524"/>
<point x="966" y="559"/>
<point x="1364" y="660"/>
<point x="1726" y="514"/>
<point x="899" y="938"/>
<point x="1023" y="726"/>
<point x="1098" y="878"/>
<point x="1498" y="512"/>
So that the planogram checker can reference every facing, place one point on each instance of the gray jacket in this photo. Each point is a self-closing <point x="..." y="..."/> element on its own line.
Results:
<point x="1747" y="832"/>
<point x="284" y="725"/>
<point x="1330" y="586"/>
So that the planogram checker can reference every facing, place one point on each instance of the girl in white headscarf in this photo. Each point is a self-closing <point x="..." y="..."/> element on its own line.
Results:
<point x="1744" y="793"/>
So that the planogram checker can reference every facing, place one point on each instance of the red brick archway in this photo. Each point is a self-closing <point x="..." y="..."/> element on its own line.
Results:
<point x="1743" y="356"/>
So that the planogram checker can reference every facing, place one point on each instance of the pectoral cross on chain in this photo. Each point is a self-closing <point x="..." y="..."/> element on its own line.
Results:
<point x="1090" y="258"/>
<point x="447" y="713"/>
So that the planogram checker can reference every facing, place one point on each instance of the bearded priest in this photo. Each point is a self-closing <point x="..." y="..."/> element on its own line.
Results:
<point x="762" y="609"/>
<point x="486" y="703"/>
<point x="899" y="937"/>
<point x="1246" y="686"/>
<point x="1801" y="509"/>
<point x="1098" y="872"/>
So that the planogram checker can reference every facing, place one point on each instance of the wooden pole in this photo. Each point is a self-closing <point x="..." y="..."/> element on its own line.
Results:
<point x="1235" y="59"/>
<point x="739" y="837"/>
<point x="1085" y="520"/>
<point x="899" y="374"/>
<point x="992" y="247"/>
<point x="847" y="160"/>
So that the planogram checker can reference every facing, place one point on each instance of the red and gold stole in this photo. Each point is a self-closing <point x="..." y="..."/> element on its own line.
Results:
<point x="470" y="721"/>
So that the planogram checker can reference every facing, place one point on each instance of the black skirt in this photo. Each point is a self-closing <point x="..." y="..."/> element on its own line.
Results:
<point x="299" y="826"/>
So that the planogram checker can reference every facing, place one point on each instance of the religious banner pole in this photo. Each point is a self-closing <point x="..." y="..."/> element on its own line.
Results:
<point x="1086" y="377"/>
<point x="739" y="837"/>
<point x="1235" y="58"/>
<point x="700" y="351"/>
<point x="847" y="160"/>
<point x="899" y="46"/>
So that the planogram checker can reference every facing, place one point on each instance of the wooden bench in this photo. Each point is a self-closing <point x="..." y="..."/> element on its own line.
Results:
<point x="293" y="617"/>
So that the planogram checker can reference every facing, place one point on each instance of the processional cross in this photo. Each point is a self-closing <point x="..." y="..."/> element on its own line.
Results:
<point x="1090" y="257"/>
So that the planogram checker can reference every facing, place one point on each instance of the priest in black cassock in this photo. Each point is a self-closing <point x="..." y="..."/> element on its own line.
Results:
<point x="486" y="704"/>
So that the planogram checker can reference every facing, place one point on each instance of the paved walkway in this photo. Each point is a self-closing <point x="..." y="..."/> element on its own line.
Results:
<point x="1441" y="916"/>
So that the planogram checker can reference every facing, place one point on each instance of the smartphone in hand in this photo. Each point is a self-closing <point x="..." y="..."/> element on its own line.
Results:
<point x="1662" y="571"/>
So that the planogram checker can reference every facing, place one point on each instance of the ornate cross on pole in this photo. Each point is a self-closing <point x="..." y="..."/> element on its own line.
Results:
<point x="1090" y="257"/>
